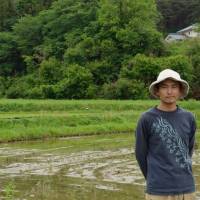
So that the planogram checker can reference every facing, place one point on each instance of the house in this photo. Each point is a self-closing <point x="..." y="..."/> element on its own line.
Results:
<point x="174" y="37"/>
<point x="188" y="32"/>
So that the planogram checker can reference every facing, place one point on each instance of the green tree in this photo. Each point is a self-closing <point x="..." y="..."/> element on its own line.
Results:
<point x="92" y="39"/>
<point x="28" y="34"/>
<point x="31" y="7"/>
<point x="125" y="89"/>
<point x="50" y="71"/>
<point x="10" y="60"/>
<point x="146" y="69"/>
<point x="122" y="29"/>
<point x="102" y="72"/>
<point x="21" y="87"/>
<point x="75" y="84"/>
<point x="132" y="24"/>
<point x="7" y="14"/>
<point x="194" y="54"/>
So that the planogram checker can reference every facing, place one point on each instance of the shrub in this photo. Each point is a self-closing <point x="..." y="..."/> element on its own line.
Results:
<point x="20" y="87"/>
<point x="146" y="69"/>
<point x="75" y="84"/>
<point x="125" y="89"/>
<point x="50" y="71"/>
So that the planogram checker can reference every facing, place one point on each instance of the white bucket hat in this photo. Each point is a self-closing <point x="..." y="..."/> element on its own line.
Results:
<point x="169" y="74"/>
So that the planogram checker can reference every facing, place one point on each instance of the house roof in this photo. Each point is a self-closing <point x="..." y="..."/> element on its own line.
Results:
<point x="187" y="28"/>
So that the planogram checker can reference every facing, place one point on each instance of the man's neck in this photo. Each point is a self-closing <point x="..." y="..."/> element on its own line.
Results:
<point x="167" y="107"/>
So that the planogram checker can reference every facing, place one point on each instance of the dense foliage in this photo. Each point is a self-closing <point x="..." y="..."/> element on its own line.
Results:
<point x="79" y="49"/>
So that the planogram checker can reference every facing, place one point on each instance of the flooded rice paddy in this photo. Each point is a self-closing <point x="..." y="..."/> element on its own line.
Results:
<point x="59" y="172"/>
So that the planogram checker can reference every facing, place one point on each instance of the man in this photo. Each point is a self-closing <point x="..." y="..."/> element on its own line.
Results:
<point x="165" y="141"/>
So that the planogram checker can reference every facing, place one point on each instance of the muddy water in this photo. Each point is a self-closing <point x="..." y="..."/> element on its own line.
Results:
<point x="59" y="172"/>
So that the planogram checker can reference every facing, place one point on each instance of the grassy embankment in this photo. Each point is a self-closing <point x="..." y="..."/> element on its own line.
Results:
<point x="35" y="119"/>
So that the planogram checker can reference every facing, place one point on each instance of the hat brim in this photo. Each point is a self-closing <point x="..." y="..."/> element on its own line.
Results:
<point x="185" y="86"/>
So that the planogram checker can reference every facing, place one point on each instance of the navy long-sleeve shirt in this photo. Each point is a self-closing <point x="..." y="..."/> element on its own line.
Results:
<point x="163" y="149"/>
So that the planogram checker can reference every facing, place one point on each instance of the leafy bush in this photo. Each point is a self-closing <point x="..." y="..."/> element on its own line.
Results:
<point x="125" y="89"/>
<point x="2" y="86"/>
<point x="35" y="93"/>
<point x="20" y="87"/>
<point x="146" y="69"/>
<point x="75" y="84"/>
<point x="50" y="71"/>
<point x="194" y="54"/>
<point x="141" y="68"/>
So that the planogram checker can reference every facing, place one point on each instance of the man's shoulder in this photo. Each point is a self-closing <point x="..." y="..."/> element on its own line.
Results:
<point x="148" y="113"/>
<point x="186" y="112"/>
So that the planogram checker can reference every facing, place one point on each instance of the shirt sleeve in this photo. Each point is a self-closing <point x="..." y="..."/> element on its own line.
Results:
<point x="192" y="137"/>
<point x="141" y="145"/>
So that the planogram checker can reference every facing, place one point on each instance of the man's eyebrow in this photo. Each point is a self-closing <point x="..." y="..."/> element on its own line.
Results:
<point x="166" y="84"/>
<point x="175" y="83"/>
<point x="163" y="84"/>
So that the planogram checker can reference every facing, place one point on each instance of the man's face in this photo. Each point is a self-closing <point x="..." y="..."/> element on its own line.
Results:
<point x="169" y="91"/>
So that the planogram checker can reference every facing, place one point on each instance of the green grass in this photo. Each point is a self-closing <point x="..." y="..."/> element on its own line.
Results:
<point x="37" y="119"/>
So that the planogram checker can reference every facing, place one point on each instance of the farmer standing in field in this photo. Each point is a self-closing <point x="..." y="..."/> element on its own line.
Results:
<point x="165" y="138"/>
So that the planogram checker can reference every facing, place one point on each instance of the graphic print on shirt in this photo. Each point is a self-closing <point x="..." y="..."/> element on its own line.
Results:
<point x="172" y="141"/>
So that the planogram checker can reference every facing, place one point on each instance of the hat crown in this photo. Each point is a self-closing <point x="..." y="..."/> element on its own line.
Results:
<point x="168" y="73"/>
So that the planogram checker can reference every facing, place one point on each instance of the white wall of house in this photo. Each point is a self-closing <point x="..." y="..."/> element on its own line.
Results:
<point x="191" y="34"/>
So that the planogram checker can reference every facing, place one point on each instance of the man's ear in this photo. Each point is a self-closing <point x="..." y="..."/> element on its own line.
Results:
<point x="181" y="93"/>
<point x="156" y="92"/>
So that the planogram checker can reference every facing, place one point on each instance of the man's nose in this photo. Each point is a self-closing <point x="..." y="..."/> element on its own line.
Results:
<point x="169" y="90"/>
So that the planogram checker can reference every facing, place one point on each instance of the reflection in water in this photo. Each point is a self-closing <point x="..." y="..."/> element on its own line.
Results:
<point x="57" y="174"/>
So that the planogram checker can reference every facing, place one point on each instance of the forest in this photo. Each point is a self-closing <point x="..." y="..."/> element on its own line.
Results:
<point x="94" y="49"/>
